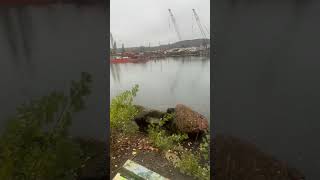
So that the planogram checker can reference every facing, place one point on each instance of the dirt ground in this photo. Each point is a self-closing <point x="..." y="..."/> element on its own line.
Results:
<point x="157" y="163"/>
<point x="138" y="149"/>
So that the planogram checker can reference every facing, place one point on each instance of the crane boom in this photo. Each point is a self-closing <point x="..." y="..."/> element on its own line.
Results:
<point x="175" y="25"/>
<point x="113" y="44"/>
<point x="199" y="24"/>
<point x="111" y="39"/>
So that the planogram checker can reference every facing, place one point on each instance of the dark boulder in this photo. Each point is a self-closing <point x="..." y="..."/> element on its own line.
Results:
<point x="147" y="116"/>
<point x="170" y="110"/>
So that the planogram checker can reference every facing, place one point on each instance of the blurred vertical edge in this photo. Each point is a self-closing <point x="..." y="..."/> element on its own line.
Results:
<point x="45" y="2"/>
<point x="212" y="105"/>
<point x="107" y="5"/>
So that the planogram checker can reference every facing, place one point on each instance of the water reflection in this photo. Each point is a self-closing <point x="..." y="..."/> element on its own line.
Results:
<point x="166" y="82"/>
<point x="115" y="70"/>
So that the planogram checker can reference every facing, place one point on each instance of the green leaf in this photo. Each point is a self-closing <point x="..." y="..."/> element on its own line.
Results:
<point x="35" y="144"/>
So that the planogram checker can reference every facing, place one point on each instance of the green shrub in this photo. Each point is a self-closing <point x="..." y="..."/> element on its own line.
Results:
<point x="160" y="138"/>
<point x="190" y="165"/>
<point x="122" y="111"/>
<point x="36" y="145"/>
<point x="204" y="147"/>
<point x="190" y="162"/>
<point x="167" y="117"/>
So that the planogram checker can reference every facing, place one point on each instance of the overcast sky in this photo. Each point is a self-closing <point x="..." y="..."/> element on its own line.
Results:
<point x="138" y="22"/>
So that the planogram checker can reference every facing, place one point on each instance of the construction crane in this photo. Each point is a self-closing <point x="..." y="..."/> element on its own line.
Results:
<point x="201" y="28"/>
<point x="199" y="24"/>
<point x="175" y="25"/>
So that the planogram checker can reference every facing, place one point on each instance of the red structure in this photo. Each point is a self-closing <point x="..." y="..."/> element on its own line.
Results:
<point x="128" y="59"/>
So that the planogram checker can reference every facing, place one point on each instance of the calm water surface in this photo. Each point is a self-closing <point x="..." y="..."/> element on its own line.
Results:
<point x="166" y="82"/>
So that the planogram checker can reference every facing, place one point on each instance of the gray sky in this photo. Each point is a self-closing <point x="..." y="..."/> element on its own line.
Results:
<point x="138" y="22"/>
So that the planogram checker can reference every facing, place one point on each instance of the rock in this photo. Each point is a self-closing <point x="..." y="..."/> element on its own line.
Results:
<point x="170" y="110"/>
<point x="188" y="121"/>
<point x="155" y="113"/>
<point x="139" y="107"/>
<point x="147" y="116"/>
<point x="152" y="120"/>
<point x="144" y="112"/>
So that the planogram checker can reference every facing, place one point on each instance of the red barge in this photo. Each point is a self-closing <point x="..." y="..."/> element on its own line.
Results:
<point x="127" y="59"/>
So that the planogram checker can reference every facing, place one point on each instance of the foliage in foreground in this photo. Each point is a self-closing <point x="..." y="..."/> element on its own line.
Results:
<point x="36" y="145"/>
<point x="160" y="138"/>
<point x="122" y="112"/>
<point x="190" y="165"/>
<point x="190" y="162"/>
<point x="204" y="147"/>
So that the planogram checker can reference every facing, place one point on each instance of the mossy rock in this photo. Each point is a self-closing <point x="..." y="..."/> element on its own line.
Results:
<point x="147" y="116"/>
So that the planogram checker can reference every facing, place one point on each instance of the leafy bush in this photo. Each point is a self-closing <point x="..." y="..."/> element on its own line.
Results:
<point x="204" y="147"/>
<point x="167" y="117"/>
<point x="190" y="162"/>
<point x="190" y="165"/>
<point x="122" y="111"/>
<point x="35" y="144"/>
<point x="160" y="138"/>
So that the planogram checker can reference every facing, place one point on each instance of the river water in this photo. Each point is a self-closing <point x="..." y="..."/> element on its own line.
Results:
<point x="166" y="82"/>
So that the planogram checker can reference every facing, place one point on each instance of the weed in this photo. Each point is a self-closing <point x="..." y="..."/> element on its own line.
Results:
<point x="190" y="165"/>
<point x="161" y="138"/>
<point x="122" y="112"/>
<point x="190" y="162"/>
<point x="204" y="147"/>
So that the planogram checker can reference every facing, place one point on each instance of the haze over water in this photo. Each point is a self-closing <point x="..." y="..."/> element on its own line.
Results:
<point x="166" y="82"/>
